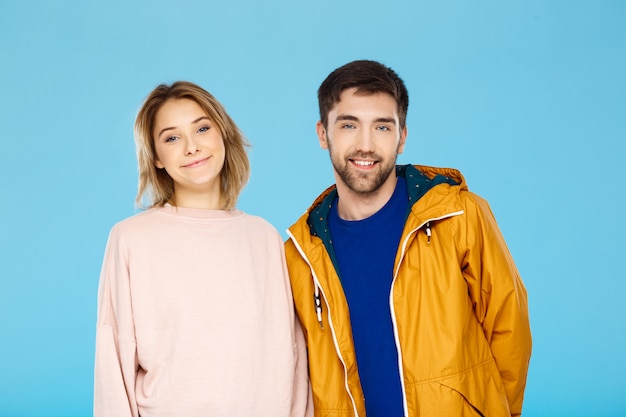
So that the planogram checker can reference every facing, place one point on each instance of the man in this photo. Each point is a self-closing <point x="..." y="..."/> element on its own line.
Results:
<point x="409" y="298"/>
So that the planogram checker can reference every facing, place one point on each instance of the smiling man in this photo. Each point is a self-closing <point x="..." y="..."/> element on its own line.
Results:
<point x="409" y="298"/>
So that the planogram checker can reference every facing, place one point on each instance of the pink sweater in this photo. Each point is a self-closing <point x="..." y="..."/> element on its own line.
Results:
<point x="195" y="318"/>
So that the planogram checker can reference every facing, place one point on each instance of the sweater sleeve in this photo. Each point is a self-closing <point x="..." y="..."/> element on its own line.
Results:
<point x="500" y="299"/>
<point x="302" y="397"/>
<point x="115" y="357"/>
<point x="302" y="404"/>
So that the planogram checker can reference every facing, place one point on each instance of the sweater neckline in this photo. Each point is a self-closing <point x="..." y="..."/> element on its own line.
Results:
<point x="199" y="213"/>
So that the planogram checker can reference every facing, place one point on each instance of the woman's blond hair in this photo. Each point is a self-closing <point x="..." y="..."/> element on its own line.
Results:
<point x="156" y="187"/>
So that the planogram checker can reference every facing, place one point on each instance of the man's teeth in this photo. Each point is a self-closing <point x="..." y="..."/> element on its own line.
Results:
<point x="364" y="163"/>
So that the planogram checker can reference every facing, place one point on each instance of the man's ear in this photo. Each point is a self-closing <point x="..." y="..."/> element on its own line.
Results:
<point x="321" y="135"/>
<point x="403" y="134"/>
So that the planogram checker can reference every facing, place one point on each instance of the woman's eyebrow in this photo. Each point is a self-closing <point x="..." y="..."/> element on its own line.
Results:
<point x="165" y="129"/>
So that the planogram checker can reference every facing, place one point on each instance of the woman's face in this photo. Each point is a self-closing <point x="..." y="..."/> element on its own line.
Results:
<point x="190" y="147"/>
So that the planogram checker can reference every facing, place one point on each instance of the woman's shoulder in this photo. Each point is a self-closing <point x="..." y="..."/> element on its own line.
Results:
<point x="259" y="224"/>
<point x="138" y="220"/>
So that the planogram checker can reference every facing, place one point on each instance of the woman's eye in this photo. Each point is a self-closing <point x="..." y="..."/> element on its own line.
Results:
<point x="203" y="129"/>
<point x="170" y="138"/>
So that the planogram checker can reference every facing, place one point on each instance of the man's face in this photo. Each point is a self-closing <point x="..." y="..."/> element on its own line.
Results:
<point x="364" y="139"/>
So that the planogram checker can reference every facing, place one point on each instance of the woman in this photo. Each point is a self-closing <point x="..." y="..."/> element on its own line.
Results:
<point x="195" y="315"/>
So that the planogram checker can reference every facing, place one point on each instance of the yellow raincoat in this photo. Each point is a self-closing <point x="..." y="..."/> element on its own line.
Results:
<point x="459" y="308"/>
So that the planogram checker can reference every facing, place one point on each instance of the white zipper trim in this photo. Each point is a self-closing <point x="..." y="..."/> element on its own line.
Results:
<point x="393" y="310"/>
<point x="330" y="320"/>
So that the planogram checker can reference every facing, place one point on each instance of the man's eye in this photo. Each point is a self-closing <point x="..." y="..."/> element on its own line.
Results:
<point x="384" y="128"/>
<point x="348" y="126"/>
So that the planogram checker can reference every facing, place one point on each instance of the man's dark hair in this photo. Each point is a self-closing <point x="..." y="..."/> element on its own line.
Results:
<point x="368" y="77"/>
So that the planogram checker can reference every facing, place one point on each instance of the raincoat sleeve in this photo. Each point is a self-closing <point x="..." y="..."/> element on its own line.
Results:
<point x="115" y="357"/>
<point x="499" y="298"/>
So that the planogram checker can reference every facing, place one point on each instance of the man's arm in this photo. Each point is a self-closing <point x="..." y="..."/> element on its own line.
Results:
<point x="500" y="299"/>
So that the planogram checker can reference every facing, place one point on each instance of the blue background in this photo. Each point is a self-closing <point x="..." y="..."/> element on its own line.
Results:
<point x="527" y="99"/>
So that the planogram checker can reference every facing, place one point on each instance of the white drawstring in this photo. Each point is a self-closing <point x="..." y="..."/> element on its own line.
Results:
<point x="318" y="306"/>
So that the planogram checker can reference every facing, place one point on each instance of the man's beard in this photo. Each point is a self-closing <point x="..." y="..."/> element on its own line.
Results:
<point x="362" y="183"/>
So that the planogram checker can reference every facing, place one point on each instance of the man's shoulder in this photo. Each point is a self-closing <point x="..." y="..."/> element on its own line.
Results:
<point x="414" y="172"/>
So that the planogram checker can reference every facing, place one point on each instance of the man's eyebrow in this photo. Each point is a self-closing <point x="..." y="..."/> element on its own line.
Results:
<point x="165" y="129"/>
<point x="343" y="117"/>
<point x="386" y="120"/>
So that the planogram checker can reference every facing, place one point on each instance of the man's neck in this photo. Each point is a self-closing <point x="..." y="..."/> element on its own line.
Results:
<point x="356" y="206"/>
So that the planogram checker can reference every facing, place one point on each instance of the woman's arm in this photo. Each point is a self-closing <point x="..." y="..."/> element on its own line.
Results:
<point x="116" y="355"/>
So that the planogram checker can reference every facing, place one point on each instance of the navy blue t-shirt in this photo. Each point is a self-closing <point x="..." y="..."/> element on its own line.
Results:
<point x="365" y="251"/>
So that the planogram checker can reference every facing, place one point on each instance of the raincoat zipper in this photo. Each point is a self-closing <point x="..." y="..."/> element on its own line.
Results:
<point x="318" y="312"/>
<point x="391" y="307"/>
